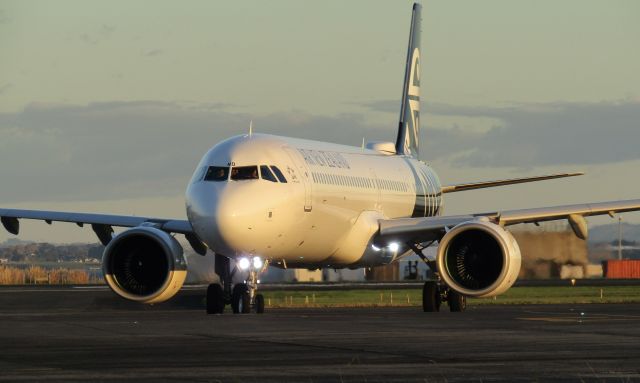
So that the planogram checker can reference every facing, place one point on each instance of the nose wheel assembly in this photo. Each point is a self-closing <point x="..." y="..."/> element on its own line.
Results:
<point x="243" y="297"/>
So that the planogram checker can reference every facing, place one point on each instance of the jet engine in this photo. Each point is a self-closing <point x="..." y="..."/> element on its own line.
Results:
<point x="479" y="259"/>
<point x="144" y="264"/>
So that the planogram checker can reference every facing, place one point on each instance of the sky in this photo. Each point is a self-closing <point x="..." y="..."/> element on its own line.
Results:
<point x="108" y="106"/>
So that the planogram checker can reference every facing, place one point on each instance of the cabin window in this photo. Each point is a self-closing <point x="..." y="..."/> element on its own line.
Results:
<point x="266" y="174"/>
<point x="279" y="174"/>
<point x="217" y="173"/>
<point x="243" y="173"/>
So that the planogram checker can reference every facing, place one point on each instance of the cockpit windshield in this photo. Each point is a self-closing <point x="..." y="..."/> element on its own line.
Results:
<point x="217" y="173"/>
<point x="266" y="174"/>
<point x="279" y="174"/>
<point x="241" y="173"/>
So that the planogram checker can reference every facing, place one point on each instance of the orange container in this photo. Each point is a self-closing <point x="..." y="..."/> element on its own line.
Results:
<point x="622" y="269"/>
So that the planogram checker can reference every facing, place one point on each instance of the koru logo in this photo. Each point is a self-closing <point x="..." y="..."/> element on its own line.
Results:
<point x="414" y="102"/>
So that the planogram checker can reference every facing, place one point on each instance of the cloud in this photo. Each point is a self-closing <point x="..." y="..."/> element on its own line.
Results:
<point x="535" y="134"/>
<point x="4" y="19"/>
<point x="100" y="34"/>
<point x="133" y="149"/>
<point x="153" y="52"/>
<point x="119" y="150"/>
<point x="4" y="88"/>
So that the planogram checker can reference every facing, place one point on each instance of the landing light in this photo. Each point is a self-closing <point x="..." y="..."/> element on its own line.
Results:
<point x="244" y="263"/>
<point x="393" y="246"/>
<point x="257" y="263"/>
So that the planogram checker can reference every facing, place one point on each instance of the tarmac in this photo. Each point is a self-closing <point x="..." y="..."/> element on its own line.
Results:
<point x="88" y="334"/>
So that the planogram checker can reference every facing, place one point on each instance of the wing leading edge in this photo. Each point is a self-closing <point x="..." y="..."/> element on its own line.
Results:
<point x="100" y="223"/>
<point x="511" y="181"/>
<point x="426" y="229"/>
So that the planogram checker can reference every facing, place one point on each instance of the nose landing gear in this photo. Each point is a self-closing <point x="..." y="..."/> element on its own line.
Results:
<point x="243" y="297"/>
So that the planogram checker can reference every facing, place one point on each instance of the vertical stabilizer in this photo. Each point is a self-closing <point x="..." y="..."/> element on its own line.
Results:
<point x="409" y="126"/>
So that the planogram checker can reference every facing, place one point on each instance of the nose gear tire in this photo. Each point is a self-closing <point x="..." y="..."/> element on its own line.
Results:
<point x="215" y="299"/>
<point x="259" y="304"/>
<point x="240" y="300"/>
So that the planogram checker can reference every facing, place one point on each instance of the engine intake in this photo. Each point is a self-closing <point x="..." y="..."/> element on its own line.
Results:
<point x="479" y="259"/>
<point x="144" y="264"/>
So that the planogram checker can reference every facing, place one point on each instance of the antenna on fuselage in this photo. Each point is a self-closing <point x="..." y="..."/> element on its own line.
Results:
<point x="250" y="128"/>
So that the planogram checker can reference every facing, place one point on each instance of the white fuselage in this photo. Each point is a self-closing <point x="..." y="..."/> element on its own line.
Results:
<point x="324" y="215"/>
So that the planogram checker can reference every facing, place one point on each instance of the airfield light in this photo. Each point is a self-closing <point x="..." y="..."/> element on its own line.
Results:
<point x="393" y="246"/>
<point x="257" y="263"/>
<point x="244" y="263"/>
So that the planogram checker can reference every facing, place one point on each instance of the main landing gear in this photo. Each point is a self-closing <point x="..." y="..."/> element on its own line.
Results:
<point x="434" y="293"/>
<point x="243" y="297"/>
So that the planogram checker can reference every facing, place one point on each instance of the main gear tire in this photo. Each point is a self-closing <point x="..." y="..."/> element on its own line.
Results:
<point x="431" y="297"/>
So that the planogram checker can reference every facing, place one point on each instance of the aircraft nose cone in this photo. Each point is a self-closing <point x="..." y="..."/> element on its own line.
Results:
<point x="237" y="215"/>
<point x="226" y="215"/>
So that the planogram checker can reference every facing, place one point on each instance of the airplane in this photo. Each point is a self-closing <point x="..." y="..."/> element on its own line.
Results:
<point x="257" y="200"/>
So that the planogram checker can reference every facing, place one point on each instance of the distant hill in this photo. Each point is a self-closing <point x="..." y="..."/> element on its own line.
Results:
<point x="608" y="233"/>
<point x="31" y="252"/>
<point x="14" y="242"/>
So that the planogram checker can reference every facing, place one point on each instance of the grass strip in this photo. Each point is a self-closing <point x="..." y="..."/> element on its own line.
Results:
<point x="515" y="296"/>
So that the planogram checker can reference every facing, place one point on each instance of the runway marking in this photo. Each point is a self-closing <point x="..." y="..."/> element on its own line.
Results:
<point x="576" y="319"/>
<point x="577" y="316"/>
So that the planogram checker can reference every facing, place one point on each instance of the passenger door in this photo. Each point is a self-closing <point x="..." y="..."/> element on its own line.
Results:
<point x="304" y="175"/>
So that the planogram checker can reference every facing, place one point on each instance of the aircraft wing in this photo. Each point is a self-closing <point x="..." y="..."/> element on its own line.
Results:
<point x="100" y="223"/>
<point x="511" y="181"/>
<point x="420" y="230"/>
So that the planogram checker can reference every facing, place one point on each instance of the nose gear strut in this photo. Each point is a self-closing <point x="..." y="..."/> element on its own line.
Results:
<point x="243" y="297"/>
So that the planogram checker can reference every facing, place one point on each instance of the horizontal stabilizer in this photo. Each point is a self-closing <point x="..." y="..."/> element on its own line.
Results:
<point x="512" y="181"/>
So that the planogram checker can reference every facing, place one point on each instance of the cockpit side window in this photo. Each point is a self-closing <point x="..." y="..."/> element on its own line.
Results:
<point x="217" y="173"/>
<point x="241" y="173"/>
<point x="267" y="174"/>
<point x="279" y="174"/>
<point x="198" y="174"/>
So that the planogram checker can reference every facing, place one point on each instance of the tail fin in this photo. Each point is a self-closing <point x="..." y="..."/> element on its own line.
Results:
<point x="409" y="127"/>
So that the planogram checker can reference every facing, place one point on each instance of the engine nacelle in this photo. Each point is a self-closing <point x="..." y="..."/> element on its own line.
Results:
<point x="144" y="264"/>
<point x="479" y="259"/>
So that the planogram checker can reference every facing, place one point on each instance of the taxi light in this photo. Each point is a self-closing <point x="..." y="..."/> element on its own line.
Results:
<point x="243" y="263"/>
<point x="393" y="246"/>
<point x="257" y="263"/>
